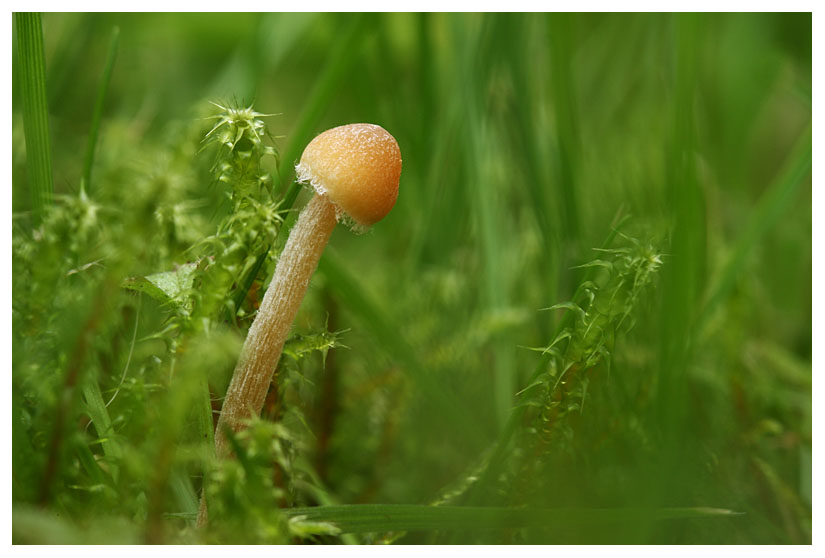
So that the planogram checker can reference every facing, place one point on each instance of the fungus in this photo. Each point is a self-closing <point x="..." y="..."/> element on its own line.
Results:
<point x="354" y="170"/>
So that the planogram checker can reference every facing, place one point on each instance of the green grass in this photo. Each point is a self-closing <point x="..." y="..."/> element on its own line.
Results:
<point x="32" y="74"/>
<point x="545" y="157"/>
<point x="98" y="110"/>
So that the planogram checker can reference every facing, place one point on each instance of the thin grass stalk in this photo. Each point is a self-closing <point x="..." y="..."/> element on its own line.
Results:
<point x="103" y="424"/>
<point x="769" y="209"/>
<point x="567" y="126"/>
<point x="486" y="208"/>
<point x="98" y="109"/>
<point x="683" y="278"/>
<point x="528" y="130"/>
<point x="35" y="110"/>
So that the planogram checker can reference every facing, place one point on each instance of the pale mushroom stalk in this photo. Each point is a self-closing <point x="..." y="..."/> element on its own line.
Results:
<point x="268" y="333"/>
<point x="354" y="170"/>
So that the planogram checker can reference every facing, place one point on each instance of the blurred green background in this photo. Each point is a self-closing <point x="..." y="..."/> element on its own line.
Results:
<point x="525" y="138"/>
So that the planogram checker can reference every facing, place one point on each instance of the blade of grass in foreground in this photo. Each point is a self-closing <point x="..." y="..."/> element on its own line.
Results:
<point x="103" y="424"/>
<point x="373" y="518"/>
<point x="35" y="109"/>
<point x="98" y="110"/>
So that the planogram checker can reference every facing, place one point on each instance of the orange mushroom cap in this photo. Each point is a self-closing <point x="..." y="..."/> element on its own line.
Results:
<point x="358" y="166"/>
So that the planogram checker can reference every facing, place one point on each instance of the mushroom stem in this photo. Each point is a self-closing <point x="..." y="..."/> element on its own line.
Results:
<point x="267" y="335"/>
<point x="265" y="340"/>
<point x="356" y="168"/>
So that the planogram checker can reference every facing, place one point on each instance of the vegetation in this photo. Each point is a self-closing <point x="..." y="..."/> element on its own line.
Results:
<point x="586" y="320"/>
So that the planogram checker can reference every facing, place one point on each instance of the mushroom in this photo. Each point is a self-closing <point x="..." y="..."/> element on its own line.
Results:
<point x="354" y="170"/>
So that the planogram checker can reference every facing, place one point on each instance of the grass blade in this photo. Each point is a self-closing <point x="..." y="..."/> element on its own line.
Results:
<point x="487" y="212"/>
<point x="683" y="278"/>
<point x="770" y="208"/>
<point x="569" y="147"/>
<point x="103" y="423"/>
<point x="35" y="109"/>
<point x="98" y="110"/>
<point x="374" y="518"/>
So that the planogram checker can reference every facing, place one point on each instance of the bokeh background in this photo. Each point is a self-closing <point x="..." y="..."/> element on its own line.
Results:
<point x="525" y="139"/>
